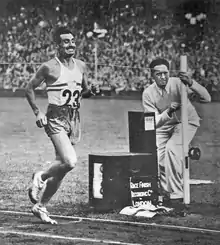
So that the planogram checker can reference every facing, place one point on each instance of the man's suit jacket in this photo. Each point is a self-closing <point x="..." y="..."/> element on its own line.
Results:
<point x="153" y="100"/>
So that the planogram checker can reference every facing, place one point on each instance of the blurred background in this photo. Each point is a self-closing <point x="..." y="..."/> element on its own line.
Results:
<point x="137" y="31"/>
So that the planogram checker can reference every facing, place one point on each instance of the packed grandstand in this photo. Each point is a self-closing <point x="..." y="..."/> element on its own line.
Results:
<point x="134" y="37"/>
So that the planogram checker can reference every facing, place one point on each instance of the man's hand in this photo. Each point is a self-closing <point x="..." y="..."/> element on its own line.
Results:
<point x="185" y="78"/>
<point x="175" y="106"/>
<point x="41" y="120"/>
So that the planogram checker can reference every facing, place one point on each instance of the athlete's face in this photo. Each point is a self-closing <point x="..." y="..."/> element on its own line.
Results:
<point x="67" y="46"/>
<point x="160" y="75"/>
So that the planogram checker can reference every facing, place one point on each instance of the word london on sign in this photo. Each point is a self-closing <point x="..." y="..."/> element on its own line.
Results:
<point x="143" y="190"/>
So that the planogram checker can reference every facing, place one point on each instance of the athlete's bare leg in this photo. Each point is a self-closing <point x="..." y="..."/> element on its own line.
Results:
<point x="66" y="160"/>
<point x="52" y="178"/>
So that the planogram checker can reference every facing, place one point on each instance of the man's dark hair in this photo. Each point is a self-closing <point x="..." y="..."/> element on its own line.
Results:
<point x="59" y="31"/>
<point x="159" y="61"/>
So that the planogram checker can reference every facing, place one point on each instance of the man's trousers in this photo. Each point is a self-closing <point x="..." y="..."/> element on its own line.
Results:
<point x="170" y="158"/>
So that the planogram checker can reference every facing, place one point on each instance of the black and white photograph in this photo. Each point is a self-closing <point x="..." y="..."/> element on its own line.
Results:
<point x="109" y="122"/>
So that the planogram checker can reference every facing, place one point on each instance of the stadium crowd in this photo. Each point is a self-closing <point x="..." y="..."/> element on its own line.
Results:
<point x="123" y="53"/>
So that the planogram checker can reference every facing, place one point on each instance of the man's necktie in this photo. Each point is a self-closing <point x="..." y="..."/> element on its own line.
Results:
<point x="164" y="92"/>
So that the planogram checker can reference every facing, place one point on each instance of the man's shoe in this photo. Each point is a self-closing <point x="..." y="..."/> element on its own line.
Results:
<point x="42" y="213"/>
<point x="176" y="201"/>
<point x="173" y="202"/>
<point x="37" y="186"/>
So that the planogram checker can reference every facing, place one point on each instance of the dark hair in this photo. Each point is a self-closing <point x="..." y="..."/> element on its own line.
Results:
<point x="159" y="61"/>
<point x="59" y="31"/>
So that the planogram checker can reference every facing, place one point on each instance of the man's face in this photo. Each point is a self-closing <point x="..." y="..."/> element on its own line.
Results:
<point x="160" y="74"/>
<point x="67" y="46"/>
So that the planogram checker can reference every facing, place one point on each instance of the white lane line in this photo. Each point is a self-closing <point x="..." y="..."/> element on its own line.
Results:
<point x="23" y="226"/>
<point x="69" y="238"/>
<point x="152" y="225"/>
<point x="17" y="226"/>
<point x="70" y="222"/>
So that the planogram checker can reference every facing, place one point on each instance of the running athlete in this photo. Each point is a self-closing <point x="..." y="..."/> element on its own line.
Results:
<point x="66" y="83"/>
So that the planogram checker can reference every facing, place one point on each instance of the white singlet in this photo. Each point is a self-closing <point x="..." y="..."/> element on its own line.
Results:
<point x="66" y="90"/>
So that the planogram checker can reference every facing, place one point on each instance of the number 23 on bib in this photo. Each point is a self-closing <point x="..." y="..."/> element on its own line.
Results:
<point x="71" y="97"/>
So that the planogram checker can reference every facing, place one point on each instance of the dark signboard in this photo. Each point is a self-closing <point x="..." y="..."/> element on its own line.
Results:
<point x="144" y="190"/>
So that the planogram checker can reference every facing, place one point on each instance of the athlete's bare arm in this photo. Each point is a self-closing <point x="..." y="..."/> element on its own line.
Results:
<point x="37" y="79"/>
<point x="87" y="91"/>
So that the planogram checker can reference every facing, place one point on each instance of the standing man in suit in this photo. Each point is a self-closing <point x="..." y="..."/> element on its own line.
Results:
<point x="164" y="98"/>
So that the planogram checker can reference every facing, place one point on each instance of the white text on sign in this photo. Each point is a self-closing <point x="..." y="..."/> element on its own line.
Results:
<point x="140" y="185"/>
<point x="147" y="193"/>
<point x="140" y="203"/>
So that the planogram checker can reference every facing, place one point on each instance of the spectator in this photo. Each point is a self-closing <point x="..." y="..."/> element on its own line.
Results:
<point x="129" y="46"/>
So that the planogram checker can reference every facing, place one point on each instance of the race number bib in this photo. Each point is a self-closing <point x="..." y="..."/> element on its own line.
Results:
<point x="71" y="97"/>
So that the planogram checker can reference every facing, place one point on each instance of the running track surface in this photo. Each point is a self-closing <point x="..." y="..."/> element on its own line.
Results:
<point x="17" y="228"/>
